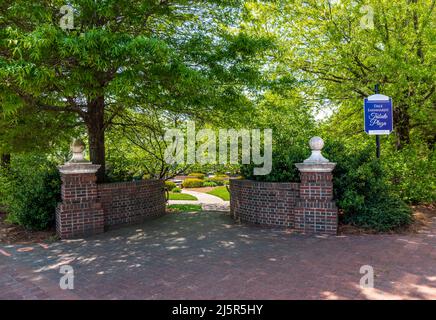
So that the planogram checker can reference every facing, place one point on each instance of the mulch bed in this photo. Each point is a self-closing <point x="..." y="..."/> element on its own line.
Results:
<point x="422" y="216"/>
<point x="14" y="234"/>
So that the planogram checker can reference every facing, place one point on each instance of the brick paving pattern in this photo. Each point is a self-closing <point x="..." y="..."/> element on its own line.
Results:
<point x="208" y="256"/>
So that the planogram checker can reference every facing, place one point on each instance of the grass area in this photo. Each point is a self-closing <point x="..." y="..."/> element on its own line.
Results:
<point x="181" y="196"/>
<point x="184" y="207"/>
<point x="220" y="192"/>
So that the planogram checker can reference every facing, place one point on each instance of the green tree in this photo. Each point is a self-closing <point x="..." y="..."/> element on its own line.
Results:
<point x="292" y="122"/>
<point x="137" y="146"/>
<point x="30" y="130"/>
<point x="187" y="56"/>
<point x="338" y="51"/>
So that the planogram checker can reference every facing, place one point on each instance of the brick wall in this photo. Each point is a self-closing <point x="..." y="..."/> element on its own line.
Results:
<point x="306" y="207"/>
<point x="133" y="202"/>
<point x="88" y="208"/>
<point x="264" y="203"/>
<point x="79" y="213"/>
<point x="316" y="212"/>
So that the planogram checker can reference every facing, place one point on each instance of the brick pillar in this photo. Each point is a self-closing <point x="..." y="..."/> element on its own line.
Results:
<point x="79" y="214"/>
<point x="316" y="211"/>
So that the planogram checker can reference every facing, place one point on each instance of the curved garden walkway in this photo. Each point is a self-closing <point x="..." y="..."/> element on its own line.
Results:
<point x="208" y="202"/>
<point x="209" y="256"/>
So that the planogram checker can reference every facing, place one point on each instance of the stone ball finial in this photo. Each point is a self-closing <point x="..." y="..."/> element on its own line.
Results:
<point x="316" y="143"/>
<point x="78" y="145"/>
<point x="77" y="148"/>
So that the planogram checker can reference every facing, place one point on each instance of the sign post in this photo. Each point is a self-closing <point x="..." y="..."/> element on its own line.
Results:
<point x="378" y="116"/>
<point x="377" y="137"/>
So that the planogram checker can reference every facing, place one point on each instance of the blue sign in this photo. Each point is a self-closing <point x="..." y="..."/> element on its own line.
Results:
<point x="378" y="116"/>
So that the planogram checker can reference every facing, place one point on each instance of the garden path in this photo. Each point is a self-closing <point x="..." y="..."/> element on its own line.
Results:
<point x="208" y="202"/>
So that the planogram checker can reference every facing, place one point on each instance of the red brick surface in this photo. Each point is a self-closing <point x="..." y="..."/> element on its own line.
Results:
<point x="209" y="256"/>
<point x="264" y="203"/>
<point x="306" y="207"/>
<point x="79" y="213"/>
<point x="315" y="211"/>
<point x="127" y="203"/>
<point x="88" y="208"/>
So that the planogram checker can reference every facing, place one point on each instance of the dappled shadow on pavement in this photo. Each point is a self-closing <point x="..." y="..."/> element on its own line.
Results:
<point x="208" y="256"/>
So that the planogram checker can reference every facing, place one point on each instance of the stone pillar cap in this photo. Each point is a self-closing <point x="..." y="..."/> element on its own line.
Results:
<point x="77" y="168"/>
<point x="77" y="147"/>
<point x="316" y="167"/>
<point x="77" y="163"/>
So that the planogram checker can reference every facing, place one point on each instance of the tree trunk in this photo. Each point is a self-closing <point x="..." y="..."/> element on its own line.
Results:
<point x="401" y="126"/>
<point x="5" y="161"/>
<point x="95" y="125"/>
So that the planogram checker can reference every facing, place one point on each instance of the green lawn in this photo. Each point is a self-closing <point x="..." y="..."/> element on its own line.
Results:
<point x="220" y="192"/>
<point x="185" y="207"/>
<point x="181" y="196"/>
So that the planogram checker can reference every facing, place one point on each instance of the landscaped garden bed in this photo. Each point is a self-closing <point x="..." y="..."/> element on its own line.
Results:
<point x="15" y="234"/>
<point x="215" y="185"/>
<point x="423" y="216"/>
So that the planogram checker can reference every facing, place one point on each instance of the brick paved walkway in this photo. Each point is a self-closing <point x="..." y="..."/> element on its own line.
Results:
<point x="207" y="256"/>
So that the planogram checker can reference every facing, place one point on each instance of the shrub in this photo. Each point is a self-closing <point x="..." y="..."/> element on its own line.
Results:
<point x="221" y="175"/>
<point x="196" y="175"/>
<point x="209" y="184"/>
<point x="283" y="164"/>
<point x="5" y="187"/>
<point x="117" y="173"/>
<point x="411" y="173"/>
<point x="34" y="192"/>
<point x="362" y="192"/>
<point x="170" y="185"/>
<point x="218" y="180"/>
<point x="192" y="183"/>
<point x="384" y="214"/>
<point x="176" y="190"/>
